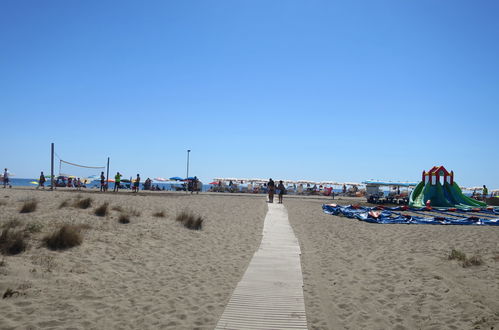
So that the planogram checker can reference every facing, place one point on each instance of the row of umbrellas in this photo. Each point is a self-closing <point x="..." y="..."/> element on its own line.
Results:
<point x="286" y="182"/>
<point x="174" y="178"/>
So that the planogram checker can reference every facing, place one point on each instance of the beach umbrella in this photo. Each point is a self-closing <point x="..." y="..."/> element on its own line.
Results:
<point x="176" y="178"/>
<point x="214" y="182"/>
<point x="160" y="179"/>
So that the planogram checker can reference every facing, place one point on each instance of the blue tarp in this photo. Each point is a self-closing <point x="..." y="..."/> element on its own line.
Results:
<point x="389" y="215"/>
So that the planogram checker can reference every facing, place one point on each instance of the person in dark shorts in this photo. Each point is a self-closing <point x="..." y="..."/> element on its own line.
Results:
<point x="41" y="181"/>
<point x="102" y="182"/>
<point x="281" y="189"/>
<point x="5" y="178"/>
<point x="271" y="189"/>
<point x="117" y="181"/>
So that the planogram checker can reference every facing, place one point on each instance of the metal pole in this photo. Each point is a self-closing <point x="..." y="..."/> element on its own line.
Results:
<point x="187" y="177"/>
<point x="107" y="175"/>
<point x="52" y="166"/>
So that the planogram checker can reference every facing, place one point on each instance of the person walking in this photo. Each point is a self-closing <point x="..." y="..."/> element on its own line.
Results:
<point x="102" y="182"/>
<point x="117" y="181"/>
<point x="281" y="189"/>
<point x="5" y="178"/>
<point x="41" y="181"/>
<point x="485" y="193"/>
<point x="136" y="184"/>
<point x="271" y="190"/>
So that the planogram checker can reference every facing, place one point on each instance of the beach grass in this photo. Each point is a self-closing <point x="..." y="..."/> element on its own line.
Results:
<point x="102" y="210"/>
<point x="159" y="214"/>
<point x="190" y="220"/>
<point x="29" y="206"/>
<point x="124" y="218"/>
<point x="64" y="203"/>
<point x="64" y="237"/>
<point x="457" y="255"/>
<point x="83" y="203"/>
<point x="12" y="242"/>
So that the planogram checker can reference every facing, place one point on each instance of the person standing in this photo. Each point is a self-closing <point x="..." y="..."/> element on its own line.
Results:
<point x="281" y="189"/>
<point x="197" y="185"/>
<point x="136" y="183"/>
<point x="271" y="190"/>
<point x="41" y="181"/>
<point x="102" y="182"/>
<point x="485" y="193"/>
<point x="5" y="178"/>
<point x="117" y="181"/>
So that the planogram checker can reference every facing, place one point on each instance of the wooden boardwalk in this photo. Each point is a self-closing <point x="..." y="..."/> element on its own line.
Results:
<point x="270" y="294"/>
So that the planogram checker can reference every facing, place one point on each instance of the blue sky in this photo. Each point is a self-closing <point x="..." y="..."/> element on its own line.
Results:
<point x="319" y="90"/>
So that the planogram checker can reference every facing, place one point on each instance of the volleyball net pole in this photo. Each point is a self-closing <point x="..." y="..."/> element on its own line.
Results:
<point x="52" y="166"/>
<point x="107" y="175"/>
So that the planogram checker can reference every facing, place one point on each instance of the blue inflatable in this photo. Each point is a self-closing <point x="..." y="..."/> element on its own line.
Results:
<point x="483" y="217"/>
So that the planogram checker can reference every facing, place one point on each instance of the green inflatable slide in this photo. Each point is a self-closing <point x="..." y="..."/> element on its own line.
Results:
<point x="446" y="195"/>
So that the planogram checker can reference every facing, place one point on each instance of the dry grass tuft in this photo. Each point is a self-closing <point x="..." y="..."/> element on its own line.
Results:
<point x="190" y="220"/>
<point x="476" y="260"/>
<point x="117" y="208"/>
<point x="9" y="293"/>
<point x="457" y="255"/>
<point x="124" y="218"/>
<point x="29" y="206"/>
<point x="133" y="212"/>
<point x="64" y="203"/>
<point x="67" y="236"/>
<point x="12" y="242"/>
<point x="33" y="227"/>
<point x="84" y="203"/>
<point x="159" y="214"/>
<point x="12" y="223"/>
<point x="102" y="210"/>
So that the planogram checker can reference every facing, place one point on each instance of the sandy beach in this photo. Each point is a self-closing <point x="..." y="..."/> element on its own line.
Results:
<point x="359" y="275"/>
<point x="152" y="273"/>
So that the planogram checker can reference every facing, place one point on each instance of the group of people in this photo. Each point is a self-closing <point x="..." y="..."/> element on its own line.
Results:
<point x="193" y="185"/>
<point x="271" y="186"/>
<point x="485" y="193"/>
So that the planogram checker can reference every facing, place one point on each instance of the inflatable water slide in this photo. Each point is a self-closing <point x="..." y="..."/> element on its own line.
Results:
<point x="447" y="194"/>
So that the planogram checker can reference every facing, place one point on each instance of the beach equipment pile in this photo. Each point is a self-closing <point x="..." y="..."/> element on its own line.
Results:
<point x="406" y="215"/>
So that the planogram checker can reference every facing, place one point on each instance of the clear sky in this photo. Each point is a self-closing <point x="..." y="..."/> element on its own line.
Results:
<point x="318" y="90"/>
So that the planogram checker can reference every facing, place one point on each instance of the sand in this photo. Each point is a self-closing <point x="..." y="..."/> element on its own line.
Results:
<point x="155" y="274"/>
<point x="149" y="274"/>
<point x="359" y="275"/>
